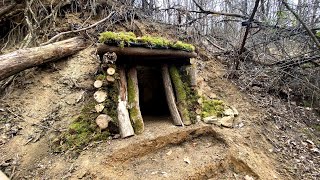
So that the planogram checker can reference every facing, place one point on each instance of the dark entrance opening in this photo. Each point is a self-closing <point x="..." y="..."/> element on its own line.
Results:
<point x="151" y="92"/>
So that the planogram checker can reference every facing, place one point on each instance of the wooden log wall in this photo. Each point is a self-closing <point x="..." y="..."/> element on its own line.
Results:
<point x="125" y="126"/>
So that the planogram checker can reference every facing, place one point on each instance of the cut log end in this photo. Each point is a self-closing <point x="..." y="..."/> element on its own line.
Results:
<point x="110" y="79"/>
<point x="98" y="84"/>
<point x="99" y="108"/>
<point x="100" y="96"/>
<point x="103" y="121"/>
<point x="111" y="71"/>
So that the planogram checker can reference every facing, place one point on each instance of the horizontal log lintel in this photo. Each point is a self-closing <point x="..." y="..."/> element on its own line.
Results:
<point x="145" y="52"/>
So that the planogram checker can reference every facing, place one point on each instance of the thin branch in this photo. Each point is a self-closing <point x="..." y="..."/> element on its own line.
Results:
<point x="79" y="30"/>
<point x="215" y="12"/>
<point x="313" y="37"/>
<point x="7" y="9"/>
<point x="213" y="44"/>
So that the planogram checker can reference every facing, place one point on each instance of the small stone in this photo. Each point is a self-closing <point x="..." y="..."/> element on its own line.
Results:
<point x="235" y="111"/>
<point x="200" y="101"/>
<point x="240" y="125"/>
<point x="210" y="120"/>
<point x="315" y="150"/>
<point x="99" y="108"/>
<point x="228" y="112"/>
<point x="82" y="174"/>
<point x="100" y="96"/>
<point x="198" y="118"/>
<point x="103" y="121"/>
<point x="198" y="111"/>
<point x="213" y="96"/>
<point x="164" y="174"/>
<point x="227" y="121"/>
<point x="98" y="84"/>
<point x="193" y="60"/>
<point x="117" y="136"/>
<point x="247" y="177"/>
<point x="169" y="153"/>
<point x="187" y="160"/>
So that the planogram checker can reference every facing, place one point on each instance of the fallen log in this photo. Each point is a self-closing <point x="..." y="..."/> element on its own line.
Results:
<point x="145" y="52"/>
<point x="133" y="99"/>
<point x="125" y="127"/>
<point x="22" y="59"/>
<point x="170" y="96"/>
<point x="180" y="94"/>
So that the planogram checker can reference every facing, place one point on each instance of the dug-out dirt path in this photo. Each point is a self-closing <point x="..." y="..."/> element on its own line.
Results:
<point x="43" y="103"/>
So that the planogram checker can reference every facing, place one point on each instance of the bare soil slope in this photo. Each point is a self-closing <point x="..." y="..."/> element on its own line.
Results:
<point x="45" y="100"/>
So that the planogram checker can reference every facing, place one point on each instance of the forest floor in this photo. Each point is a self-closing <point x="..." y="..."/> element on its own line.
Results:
<point x="44" y="101"/>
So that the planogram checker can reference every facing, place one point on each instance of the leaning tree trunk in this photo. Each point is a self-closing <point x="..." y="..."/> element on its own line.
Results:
<point x="170" y="96"/>
<point x="22" y="59"/>
<point x="181" y="94"/>
<point x="133" y="99"/>
<point x="126" y="129"/>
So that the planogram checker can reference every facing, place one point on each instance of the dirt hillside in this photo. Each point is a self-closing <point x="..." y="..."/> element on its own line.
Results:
<point x="45" y="101"/>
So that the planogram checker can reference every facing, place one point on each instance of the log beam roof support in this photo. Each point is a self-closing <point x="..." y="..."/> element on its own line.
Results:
<point x="145" y="52"/>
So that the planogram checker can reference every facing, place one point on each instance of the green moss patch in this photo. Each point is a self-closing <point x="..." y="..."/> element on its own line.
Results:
<point x="191" y="96"/>
<point x="183" y="46"/>
<point x="111" y="103"/>
<point x="181" y="94"/>
<point x="124" y="39"/>
<point x="158" y="42"/>
<point x="121" y="38"/>
<point x="83" y="129"/>
<point x="212" y="108"/>
<point x="179" y="86"/>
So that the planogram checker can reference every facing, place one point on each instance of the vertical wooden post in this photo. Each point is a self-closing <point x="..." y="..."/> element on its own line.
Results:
<point x="193" y="75"/>
<point x="181" y="94"/>
<point x="133" y="100"/>
<point x="126" y="129"/>
<point x="170" y="96"/>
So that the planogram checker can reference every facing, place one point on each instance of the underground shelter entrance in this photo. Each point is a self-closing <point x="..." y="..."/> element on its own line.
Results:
<point x="152" y="95"/>
<point x="149" y="84"/>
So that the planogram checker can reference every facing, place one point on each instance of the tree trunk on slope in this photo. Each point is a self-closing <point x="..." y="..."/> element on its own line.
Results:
<point x="22" y="59"/>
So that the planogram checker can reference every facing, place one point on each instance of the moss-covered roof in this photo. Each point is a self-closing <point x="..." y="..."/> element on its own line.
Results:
<point x="126" y="39"/>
